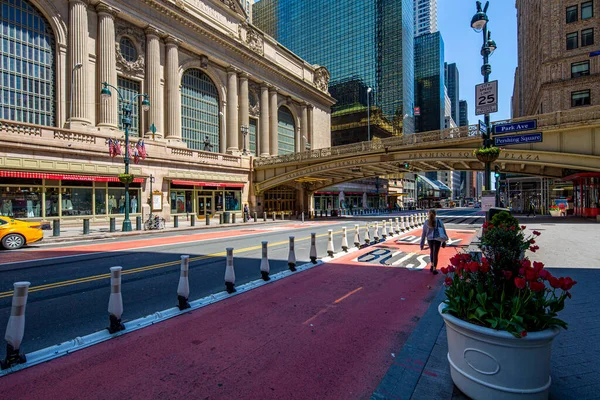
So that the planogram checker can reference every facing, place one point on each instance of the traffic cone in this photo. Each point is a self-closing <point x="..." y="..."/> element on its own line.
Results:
<point x="330" y="249"/>
<point x="313" y="248"/>
<point x="356" y="236"/>
<point x="376" y="232"/>
<point x="344" y="240"/>
<point x="292" y="256"/>
<point x="15" y="329"/>
<point x="115" y="301"/>
<point x="183" y="289"/>
<point x="367" y="237"/>
<point x="229" y="272"/>
<point x="264" y="263"/>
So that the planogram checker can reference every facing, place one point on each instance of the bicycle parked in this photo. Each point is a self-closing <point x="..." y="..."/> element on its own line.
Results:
<point x="154" y="222"/>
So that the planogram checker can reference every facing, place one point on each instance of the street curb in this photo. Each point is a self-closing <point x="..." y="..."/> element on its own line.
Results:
<point x="82" y="342"/>
<point x="403" y="375"/>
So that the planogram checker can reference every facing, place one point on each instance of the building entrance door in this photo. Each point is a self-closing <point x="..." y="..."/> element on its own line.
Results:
<point x="204" y="205"/>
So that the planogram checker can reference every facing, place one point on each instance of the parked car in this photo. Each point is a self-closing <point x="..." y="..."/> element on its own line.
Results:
<point x="477" y="205"/>
<point x="15" y="233"/>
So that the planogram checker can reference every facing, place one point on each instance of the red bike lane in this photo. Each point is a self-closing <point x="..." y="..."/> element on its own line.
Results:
<point x="327" y="333"/>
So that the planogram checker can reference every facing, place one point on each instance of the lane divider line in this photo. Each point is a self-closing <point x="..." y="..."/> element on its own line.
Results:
<point x="344" y="297"/>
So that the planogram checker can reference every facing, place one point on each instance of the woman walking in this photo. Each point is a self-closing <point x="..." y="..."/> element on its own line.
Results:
<point x="434" y="231"/>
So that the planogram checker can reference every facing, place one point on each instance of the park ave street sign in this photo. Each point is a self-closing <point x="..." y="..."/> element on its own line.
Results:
<point x="515" y="127"/>
<point x="486" y="98"/>
<point x="518" y="139"/>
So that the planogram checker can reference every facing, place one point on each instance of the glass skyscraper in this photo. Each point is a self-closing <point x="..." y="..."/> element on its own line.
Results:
<point x="452" y="83"/>
<point x="429" y="82"/>
<point x="364" y="44"/>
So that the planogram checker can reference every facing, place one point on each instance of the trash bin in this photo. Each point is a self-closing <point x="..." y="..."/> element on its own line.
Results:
<point x="226" y="217"/>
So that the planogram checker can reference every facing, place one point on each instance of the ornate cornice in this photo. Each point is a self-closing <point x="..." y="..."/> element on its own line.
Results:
<point x="153" y="31"/>
<point x="103" y="8"/>
<point x="171" y="40"/>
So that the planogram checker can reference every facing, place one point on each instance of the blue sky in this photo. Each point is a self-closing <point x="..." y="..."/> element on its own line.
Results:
<point x="462" y="46"/>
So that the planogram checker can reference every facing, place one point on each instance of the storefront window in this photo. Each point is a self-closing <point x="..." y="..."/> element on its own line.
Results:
<point x="20" y="202"/>
<point x="233" y="200"/>
<point x="76" y="201"/>
<point x="181" y="201"/>
<point x="116" y="201"/>
<point x="52" y="199"/>
<point x="100" y="199"/>
<point x="218" y="201"/>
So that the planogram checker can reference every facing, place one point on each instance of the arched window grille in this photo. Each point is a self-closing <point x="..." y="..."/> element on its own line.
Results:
<point x="199" y="110"/>
<point x="27" y="65"/>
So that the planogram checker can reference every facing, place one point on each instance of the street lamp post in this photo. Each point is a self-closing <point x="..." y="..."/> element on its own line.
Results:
<point x="245" y="133"/>
<point x="479" y="24"/>
<point x="369" y="114"/>
<point x="126" y="121"/>
<point x="75" y="67"/>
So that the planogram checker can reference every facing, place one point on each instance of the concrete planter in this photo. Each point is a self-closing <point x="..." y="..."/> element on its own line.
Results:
<point x="555" y="213"/>
<point x="490" y="364"/>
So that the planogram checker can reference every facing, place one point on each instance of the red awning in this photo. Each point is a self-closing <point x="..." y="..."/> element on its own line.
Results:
<point x="212" y="184"/>
<point x="61" y="177"/>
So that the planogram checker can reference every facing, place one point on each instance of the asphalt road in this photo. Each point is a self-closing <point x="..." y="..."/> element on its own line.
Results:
<point x="70" y="282"/>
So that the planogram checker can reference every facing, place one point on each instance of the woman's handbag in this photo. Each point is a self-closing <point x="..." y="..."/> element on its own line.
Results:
<point x="440" y="233"/>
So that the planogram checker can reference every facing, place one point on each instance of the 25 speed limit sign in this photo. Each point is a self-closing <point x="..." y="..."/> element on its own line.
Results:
<point x="486" y="98"/>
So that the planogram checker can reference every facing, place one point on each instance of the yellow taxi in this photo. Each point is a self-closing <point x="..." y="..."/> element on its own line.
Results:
<point x="15" y="233"/>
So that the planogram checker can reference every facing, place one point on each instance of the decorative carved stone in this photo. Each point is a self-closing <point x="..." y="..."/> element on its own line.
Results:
<point x="254" y="40"/>
<point x="139" y="40"/>
<point x="321" y="79"/>
<point x="254" y="104"/>
<point x="230" y="4"/>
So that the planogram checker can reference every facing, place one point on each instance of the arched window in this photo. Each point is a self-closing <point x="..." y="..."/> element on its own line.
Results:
<point x="286" y="136"/>
<point x="128" y="50"/>
<point x="199" y="110"/>
<point x="27" y="65"/>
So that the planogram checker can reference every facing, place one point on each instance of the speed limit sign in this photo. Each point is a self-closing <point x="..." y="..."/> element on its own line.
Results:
<point x="486" y="98"/>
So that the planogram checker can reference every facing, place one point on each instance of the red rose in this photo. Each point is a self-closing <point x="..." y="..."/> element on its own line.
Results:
<point x="534" y="248"/>
<point x="536" y="286"/>
<point x="444" y="270"/>
<point x="520" y="283"/>
<point x="531" y="241"/>
<point x="485" y="268"/>
<point x="537" y="266"/>
<point x="536" y="233"/>
<point x="544" y="274"/>
<point x="526" y="263"/>
<point x="473" y="266"/>
<point x="530" y="275"/>
<point x="507" y="274"/>
<point x="448" y="281"/>
<point x="523" y="333"/>
<point x="451" y="268"/>
<point x="523" y="227"/>
<point x="521" y="271"/>
<point x="567" y="284"/>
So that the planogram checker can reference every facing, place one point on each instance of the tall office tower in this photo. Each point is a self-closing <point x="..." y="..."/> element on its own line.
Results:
<point x="448" y="120"/>
<point x="425" y="16"/>
<point x="456" y="184"/>
<point x="463" y="113"/>
<point x="247" y="6"/>
<point x="452" y="83"/>
<point x="429" y="82"/>
<point x="558" y="75"/>
<point x="364" y="44"/>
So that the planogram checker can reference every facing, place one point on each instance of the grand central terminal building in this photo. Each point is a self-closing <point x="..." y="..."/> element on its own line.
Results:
<point x="221" y="94"/>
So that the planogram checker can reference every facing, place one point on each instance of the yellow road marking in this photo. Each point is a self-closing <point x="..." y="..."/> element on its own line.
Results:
<point x="347" y="295"/>
<point x="146" y="268"/>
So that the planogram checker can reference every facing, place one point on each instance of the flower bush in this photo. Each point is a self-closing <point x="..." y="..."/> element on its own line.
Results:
<point x="505" y="290"/>
<point x="554" y="208"/>
<point x="487" y="150"/>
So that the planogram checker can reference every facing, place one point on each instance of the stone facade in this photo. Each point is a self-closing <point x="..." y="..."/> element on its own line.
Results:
<point x="543" y="80"/>
<point x="169" y="37"/>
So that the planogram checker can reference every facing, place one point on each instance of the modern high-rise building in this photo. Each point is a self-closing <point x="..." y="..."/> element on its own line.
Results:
<point x="452" y="83"/>
<point x="560" y="74"/>
<point x="247" y="6"/>
<point x="463" y="113"/>
<point x="429" y="82"/>
<point x="425" y="16"/>
<point x="364" y="45"/>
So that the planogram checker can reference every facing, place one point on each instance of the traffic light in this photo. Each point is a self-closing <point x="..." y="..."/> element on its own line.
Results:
<point x="497" y="172"/>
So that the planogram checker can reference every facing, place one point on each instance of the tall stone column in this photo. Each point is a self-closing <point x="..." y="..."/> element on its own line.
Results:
<point x="273" y="121"/>
<point x="173" y="96"/>
<point x="263" y="124"/>
<point x="303" y="128"/>
<point x="310" y="128"/>
<point x="232" y="111"/>
<point x="107" y="71"/>
<point x="78" y="37"/>
<point x="153" y="75"/>
<point x="244" y="110"/>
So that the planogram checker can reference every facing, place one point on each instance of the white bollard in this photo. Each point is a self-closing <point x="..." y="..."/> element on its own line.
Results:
<point x="397" y="228"/>
<point x="391" y="228"/>
<point x="313" y="248"/>
<point x="115" y="302"/>
<point x="229" y="272"/>
<point x="356" y="236"/>
<point x="15" y="329"/>
<point x="412" y="221"/>
<point x="403" y="223"/>
<point x="367" y="237"/>
<point x="292" y="255"/>
<point x="302" y="216"/>
<point x="183" y="289"/>
<point x="344" y="240"/>
<point x="384" y="229"/>
<point x="264" y="263"/>
<point x="330" y="249"/>
<point x="376" y="232"/>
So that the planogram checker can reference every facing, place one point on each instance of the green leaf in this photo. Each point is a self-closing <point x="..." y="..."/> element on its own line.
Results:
<point x="482" y="298"/>
<point x="480" y="312"/>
